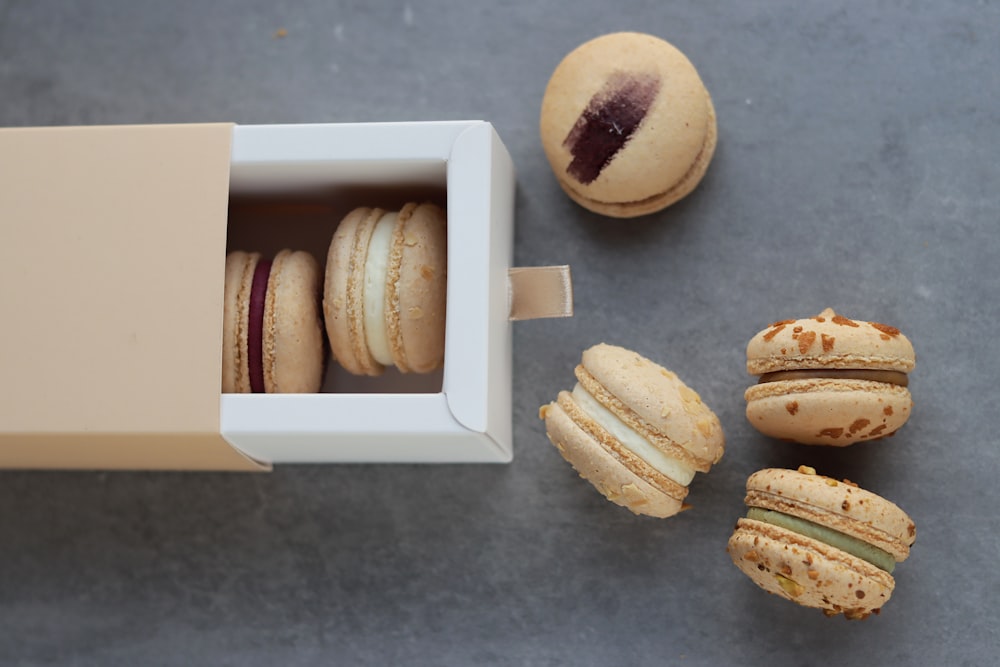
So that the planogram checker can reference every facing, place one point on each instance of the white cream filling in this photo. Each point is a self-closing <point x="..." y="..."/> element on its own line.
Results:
<point x="639" y="446"/>
<point x="376" y="268"/>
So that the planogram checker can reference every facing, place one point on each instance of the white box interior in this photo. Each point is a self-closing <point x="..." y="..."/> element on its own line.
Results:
<point x="290" y="186"/>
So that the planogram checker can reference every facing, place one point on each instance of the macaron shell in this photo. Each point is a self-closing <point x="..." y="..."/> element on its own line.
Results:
<point x="827" y="412"/>
<point x="829" y="341"/>
<point x="343" y="291"/>
<point x="672" y="143"/>
<point x="605" y="472"/>
<point x="657" y="404"/>
<point x="416" y="288"/>
<point x="239" y="272"/>
<point x="807" y="571"/>
<point x="293" y="335"/>
<point x="835" y="504"/>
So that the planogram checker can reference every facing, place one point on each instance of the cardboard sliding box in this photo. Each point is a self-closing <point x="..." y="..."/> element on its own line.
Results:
<point x="112" y="248"/>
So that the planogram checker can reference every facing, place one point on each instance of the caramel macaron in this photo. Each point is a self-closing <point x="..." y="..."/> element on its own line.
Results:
<point x="829" y="380"/>
<point x="386" y="288"/>
<point x="272" y="335"/>
<point x="820" y="542"/>
<point x="634" y="430"/>
<point x="627" y="125"/>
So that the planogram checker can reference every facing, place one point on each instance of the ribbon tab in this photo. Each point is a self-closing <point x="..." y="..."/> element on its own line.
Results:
<point x="540" y="291"/>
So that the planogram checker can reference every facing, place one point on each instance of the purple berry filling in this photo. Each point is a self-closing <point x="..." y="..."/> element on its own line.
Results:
<point x="612" y="116"/>
<point x="255" y="326"/>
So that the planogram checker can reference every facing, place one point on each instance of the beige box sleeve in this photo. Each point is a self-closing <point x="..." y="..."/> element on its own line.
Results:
<point x="112" y="247"/>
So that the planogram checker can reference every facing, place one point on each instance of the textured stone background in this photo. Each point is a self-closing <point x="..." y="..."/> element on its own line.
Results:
<point x="857" y="168"/>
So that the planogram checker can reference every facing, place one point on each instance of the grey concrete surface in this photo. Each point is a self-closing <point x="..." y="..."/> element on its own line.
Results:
<point x="857" y="168"/>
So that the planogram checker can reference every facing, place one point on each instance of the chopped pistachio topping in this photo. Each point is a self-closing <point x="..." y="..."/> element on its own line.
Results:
<point x="790" y="586"/>
<point x="835" y="538"/>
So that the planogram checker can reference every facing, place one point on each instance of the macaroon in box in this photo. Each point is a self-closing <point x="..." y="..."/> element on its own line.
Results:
<point x="113" y="245"/>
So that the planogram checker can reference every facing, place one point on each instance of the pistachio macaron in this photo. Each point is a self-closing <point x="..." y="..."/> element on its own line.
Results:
<point x="829" y="380"/>
<point x="272" y="335"/>
<point x="634" y="430"/>
<point x="820" y="542"/>
<point x="385" y="289"/>
<point x="627" y="125"/>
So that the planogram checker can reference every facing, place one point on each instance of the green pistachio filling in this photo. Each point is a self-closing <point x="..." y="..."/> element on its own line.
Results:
<point x="835" y="538"/>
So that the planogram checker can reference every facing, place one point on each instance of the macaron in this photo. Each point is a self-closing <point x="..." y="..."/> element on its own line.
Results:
<point x="634" y="430"/>
<point x="272" y="336"/>
<point x="627" y="125"/>
<point x="386" y="288"/>
<point x="829" y="380"/>
<point x="820" y="542"/>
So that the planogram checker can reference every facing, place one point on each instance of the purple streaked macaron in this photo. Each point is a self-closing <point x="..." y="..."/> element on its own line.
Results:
<point x="627" y="125"/>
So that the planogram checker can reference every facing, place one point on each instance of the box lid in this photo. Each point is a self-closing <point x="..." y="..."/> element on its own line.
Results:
<point x="128" y="222"/>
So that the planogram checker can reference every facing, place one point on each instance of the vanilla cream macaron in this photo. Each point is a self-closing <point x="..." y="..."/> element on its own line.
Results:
<point x="386" y="288"/>
<point x="627" y="125"/>
<point x="272" y="335"/>
<point x="829" y="380"/>
<point x="634" y="430"/>
<point x="820" y="542"/>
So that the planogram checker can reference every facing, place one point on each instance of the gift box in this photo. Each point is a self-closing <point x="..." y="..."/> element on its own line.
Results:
<point x="112" y="260"/>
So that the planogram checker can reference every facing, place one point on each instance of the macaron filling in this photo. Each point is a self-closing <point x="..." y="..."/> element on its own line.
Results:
<point x="638" y="445"/>
<point x="376" y="273"/>
<point x="836" y="539"/>
<point x="898" y="378"/>
<point x="255" y="326"/>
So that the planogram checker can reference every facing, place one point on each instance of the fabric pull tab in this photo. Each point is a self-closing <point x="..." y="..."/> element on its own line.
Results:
<point x="540" y="291"/>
